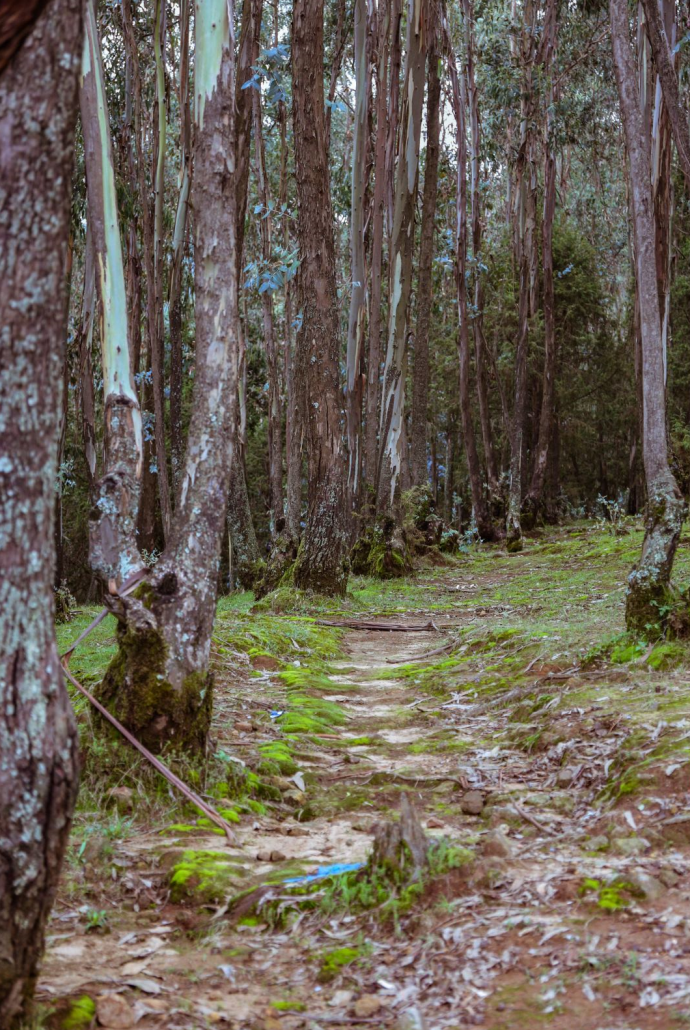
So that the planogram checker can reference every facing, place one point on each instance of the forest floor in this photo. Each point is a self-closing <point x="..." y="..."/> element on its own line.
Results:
<point x="546" y="753"/>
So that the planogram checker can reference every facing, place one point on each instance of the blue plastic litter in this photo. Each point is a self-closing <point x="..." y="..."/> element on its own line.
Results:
<point x="276" y="713"/>
<point x="327" y="870"/>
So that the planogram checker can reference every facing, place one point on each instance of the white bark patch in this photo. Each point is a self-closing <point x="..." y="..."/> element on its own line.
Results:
<point x="211" y="30"/>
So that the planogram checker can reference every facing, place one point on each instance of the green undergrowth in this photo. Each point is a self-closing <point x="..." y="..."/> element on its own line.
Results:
<point x="610" y="897"/>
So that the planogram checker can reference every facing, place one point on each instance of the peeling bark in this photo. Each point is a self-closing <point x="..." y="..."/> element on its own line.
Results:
<point x="113" y="549"/>
<point x="38" y="737"/>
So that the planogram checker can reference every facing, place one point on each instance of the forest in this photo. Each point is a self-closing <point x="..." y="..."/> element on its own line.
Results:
<point x="344" y="472"/>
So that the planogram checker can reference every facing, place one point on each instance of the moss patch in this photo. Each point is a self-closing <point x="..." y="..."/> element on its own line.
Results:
<point x="205" y="876"/>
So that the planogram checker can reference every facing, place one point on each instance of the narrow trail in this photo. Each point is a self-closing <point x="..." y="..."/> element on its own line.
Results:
<point x="574" y="912"/>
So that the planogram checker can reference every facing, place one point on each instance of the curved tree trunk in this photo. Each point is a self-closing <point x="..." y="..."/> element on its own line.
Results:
<point x="159" y="683"/>
<point x="114" y="553"/>
<point x="320" y="564"/>
<point x="420" y="380"/>
<point x="38" y="738"/>
<point x="648" y="583"/>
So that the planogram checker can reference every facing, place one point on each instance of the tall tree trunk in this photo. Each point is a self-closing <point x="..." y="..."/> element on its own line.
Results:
<point x="379" y="205"/>
<point x="393" y="119"/>
<point x="479" y="506"/>
<point x="401" y="254"/>
<point x="648" y="583"/>
<point x="547" y="419"/>
<point x="178" y="251"/>
<point x="420" y="380"/>
<point x="38" y="737"/>
<point x="480" y="346"/>
<point x="320" y="564"/>
<point x="159" y="684"/>
<point x="358" y="285"/>
<point x="154" y="339"/>
<point x="114" y="553"/>
<point x="275" y="415"/>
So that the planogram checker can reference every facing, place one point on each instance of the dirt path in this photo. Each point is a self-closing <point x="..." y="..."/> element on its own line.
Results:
<point x="573" y="913"/>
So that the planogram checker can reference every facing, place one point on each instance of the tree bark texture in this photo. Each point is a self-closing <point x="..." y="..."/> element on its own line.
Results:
<point x="159" y="683"/>
<point x="420" y="380"/>
<point x="113" y="549"/>
<point x="664" y="63"/>
<point x="401" y="255"/>
<point x="479" y="506"/>
<point x="358" y="286"/>
<point x="38" y="738"/>
<point x="378" y="220"/>
<point x="649" y="581"/>
<point x="320" y="565"/>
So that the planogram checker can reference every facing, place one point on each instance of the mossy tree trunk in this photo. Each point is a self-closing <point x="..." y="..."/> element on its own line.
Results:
<point x="648" y="584"/>
<point x="159" y="683"/>
<point x="320" y="564"/>
<point x="38" y="738"/>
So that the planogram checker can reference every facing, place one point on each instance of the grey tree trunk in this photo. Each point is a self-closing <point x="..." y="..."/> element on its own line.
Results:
<point x="648" y="584"/>
<point x="38" y="738"/>
<point x="159" y="683"/>
<point x="320" y="564"/>
<point x="420" y="381"/>
<point x="113" y="549"/>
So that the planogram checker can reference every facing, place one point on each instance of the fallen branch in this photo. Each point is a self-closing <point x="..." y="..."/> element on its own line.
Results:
<point x="422" y="657"/>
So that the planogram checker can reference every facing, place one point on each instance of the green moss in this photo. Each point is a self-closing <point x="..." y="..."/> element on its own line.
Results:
<point x="334" y="961"/>
<point x="289" y="1006"/>
<point x="277" y="758"/>
<point x="612" y="897"/>
<point x="205" y="876"/>
<point x="81" y="1014"/>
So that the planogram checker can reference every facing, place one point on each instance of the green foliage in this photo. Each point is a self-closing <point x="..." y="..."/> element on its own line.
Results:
<point x="81" y="1015"/>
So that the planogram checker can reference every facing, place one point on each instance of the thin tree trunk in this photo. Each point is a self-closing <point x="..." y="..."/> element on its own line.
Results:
<point x="86" y="393"/>
<point x="401" y="255"/>
<point x="535" y="499"/>
<point x="480" y="345"/>
<point x="393" y="119"/>
<point x="479" y="506"/>
<point x="358" y="286"/>
<point x="420" y="380"/>
<point x="39" y="750"/>
<point x="275" y="415"/>
<point x="648" y="584"/>
<point x="379" y="205"/>
<point x="320" y="564"/>
<point x="178" y="251"/>
<point x="159" y="684"/>
<point x="113" y="550"/>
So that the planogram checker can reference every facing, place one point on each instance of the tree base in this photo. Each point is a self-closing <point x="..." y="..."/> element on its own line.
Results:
<point x="382" y="551"/>
<point x="136" y="688"/>
<point x="650" y="604"/>
<point x="278" y="570"/>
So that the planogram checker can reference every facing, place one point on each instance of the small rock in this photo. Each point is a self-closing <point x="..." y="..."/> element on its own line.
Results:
<point x="652" y="888"/>
<point x="629" y="847"/>
<point x="434" y="823"/>
<point x="263" y="856"/>
<point x="353" y="759"/>
<point x="277" y="856"/>
<point x="599" y="842"/>
<point x="669" y="878"/>
<point x="497" y="845"/>
<point x="271" y="1023"/>
<point x="244" y="727"/>
<point x="410" y="1019"/>
<point x="341" y="999"/>
<point x="114" y="1012"/>
<point x="676" y="829"/>
<point x="123" y="798"/>
<point x="367" y="1005"/>
<point x="565" y="776"/>
<point x="472" y="802"/>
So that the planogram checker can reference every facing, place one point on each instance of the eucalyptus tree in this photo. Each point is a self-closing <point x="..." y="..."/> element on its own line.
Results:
<point x="648" y="583"/>
<point x="391" y="445"/>
<point x="39" y="751"/>
<point x="159" y="683"/>
<point x="320" y="564"/>
<point x="114" y="552"/>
